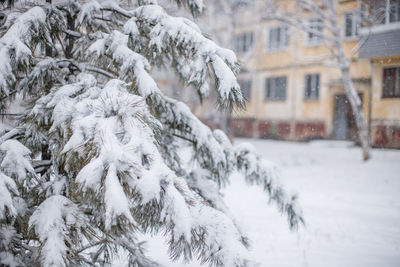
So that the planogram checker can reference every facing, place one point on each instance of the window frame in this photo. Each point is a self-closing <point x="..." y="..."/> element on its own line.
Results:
<point x="356" y="24"/>
<point x="315" y="79"/>
<point x="384" y="18"/>
<point x="244" y="42"/>
<point x="316" y="40"/>
<point x="274" y="97"/>
<point x="395" y="82"/>
<point x="389" y="13"/>
<point x="284" y="38"/>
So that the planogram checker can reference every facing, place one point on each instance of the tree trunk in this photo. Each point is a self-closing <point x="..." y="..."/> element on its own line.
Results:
<point x="350" y="91"/>
<point x="71" y="39"/>
<point x="46" y="155"/>
<point x="359" y="117"/>
<point x="49" y="50"/>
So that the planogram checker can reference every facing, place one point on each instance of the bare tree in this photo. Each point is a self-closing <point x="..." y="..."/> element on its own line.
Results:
<point x="326" y="27"/>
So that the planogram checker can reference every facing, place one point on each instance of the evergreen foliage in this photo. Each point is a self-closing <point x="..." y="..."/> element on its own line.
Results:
<point x="96" y="157"/>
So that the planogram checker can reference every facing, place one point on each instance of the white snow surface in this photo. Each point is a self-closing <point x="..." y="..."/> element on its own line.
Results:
<point x="351" y="208"/>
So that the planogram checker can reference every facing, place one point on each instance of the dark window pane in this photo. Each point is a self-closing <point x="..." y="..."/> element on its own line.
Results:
<point x="397" y="85"/>
<point x="388" y="81"/>
<point x="316" y="86"/>
<point x="308" y="86"/>
<point x="276" y="88"/>
<point x="349" y="24"/>
<point x="311" y="90"/>
<point x="272" y="89"/>
<point x="378" y="11"/>
<point x="272" y="37"/>
<point x="268" y="92"/>
<point x="286" y="36"/>
<point x="394" y="11"/>
<point x="243" y="42"/>
<point x="278" y="37"/>
<point x="283" y="88"/>
<point x="316" y="26"/>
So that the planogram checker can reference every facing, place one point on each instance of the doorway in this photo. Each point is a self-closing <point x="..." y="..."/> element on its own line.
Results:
<point x="340" y="124"/>
<point x="344" y="124"/>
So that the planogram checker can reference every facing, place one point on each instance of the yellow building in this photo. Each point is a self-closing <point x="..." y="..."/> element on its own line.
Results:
<point x="294" y="95"/>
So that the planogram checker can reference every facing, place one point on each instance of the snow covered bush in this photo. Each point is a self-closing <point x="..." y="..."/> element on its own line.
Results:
<point x="96" y="157"/>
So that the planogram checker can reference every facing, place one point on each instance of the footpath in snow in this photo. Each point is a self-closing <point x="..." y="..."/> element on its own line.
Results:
<point x="351" y="208"/>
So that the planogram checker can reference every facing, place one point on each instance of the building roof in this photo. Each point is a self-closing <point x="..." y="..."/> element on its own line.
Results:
<point x="381" y="44"/>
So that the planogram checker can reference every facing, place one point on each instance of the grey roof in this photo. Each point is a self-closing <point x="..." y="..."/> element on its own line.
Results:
<point x="381" y="44"/>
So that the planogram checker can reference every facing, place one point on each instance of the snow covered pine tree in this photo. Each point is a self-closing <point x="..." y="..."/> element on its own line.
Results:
<point x="95" y="158"/>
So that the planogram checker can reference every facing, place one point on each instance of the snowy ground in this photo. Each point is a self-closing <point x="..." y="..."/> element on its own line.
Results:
<point x="352" y="208"/>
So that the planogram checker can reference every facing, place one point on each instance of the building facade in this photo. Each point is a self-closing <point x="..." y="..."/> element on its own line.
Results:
<point x="294" y="95"/>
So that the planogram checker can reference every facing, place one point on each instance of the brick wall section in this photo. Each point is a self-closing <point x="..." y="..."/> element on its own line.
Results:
<point x="310" y="130"/>
<point x="265" y="130"/>
<point x="382" y="136"/>
<point x="284" y="130"/>
<point x="386" y="136"/>
<point x="278" y="129"/>
<point x="273" y="130"/>
<point x="243" y="127"/>
<point x="281" y="130"/>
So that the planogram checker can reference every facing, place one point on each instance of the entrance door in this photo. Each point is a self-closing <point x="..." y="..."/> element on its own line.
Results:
<point x="341" y="131"/>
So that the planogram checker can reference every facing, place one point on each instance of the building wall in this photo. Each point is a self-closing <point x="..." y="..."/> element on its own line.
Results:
<point x="296" y="118"/>
<point x="385" y="117"/>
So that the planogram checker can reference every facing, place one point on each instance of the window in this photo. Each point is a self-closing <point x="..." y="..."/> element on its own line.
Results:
<point x="352" y="22"/>
<point x="394" y="11"/>
<point x="276" y="88"/>
<point x="313" y="37"/>
<point x="278" y="38"/>
<point x="245" y="85"/>
<point x="311" y="90"/>
<point x="391" y="82"/>
<point x="243" y="42"/>
<point x="385" y="11"/>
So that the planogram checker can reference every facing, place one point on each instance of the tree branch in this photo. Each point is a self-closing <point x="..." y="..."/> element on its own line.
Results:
<point x="297" y="23"/>
<point x="11" y="134"/>
<point x="99" y="71"/>
<point x="314" y="8"/>
<point x="119" y="11"/>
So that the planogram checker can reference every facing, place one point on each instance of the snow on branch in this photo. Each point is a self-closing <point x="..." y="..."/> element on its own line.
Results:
<point x="54" y="221"/>
<point x="214" y="153"/>
<point x="261" y="172"/>
<point x="182" y="123"/>
<point x="176" y="115"/>
<point x="177" y="41"/>
<point x="133" y="66"/>
<point x="218" y="243"/>
<point x="110" y="145"/>
<point x="172" y="40"/>
<point x="195" y="6"/>
<point x="122" y="161"/>
<point x="16" y="172"/>
<point x="15" y="45"/>
<point x="16" y="161"/>
<point x="8" y="189"/>
<point x="43" y="75"/>
<point x="180" y="42"/>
